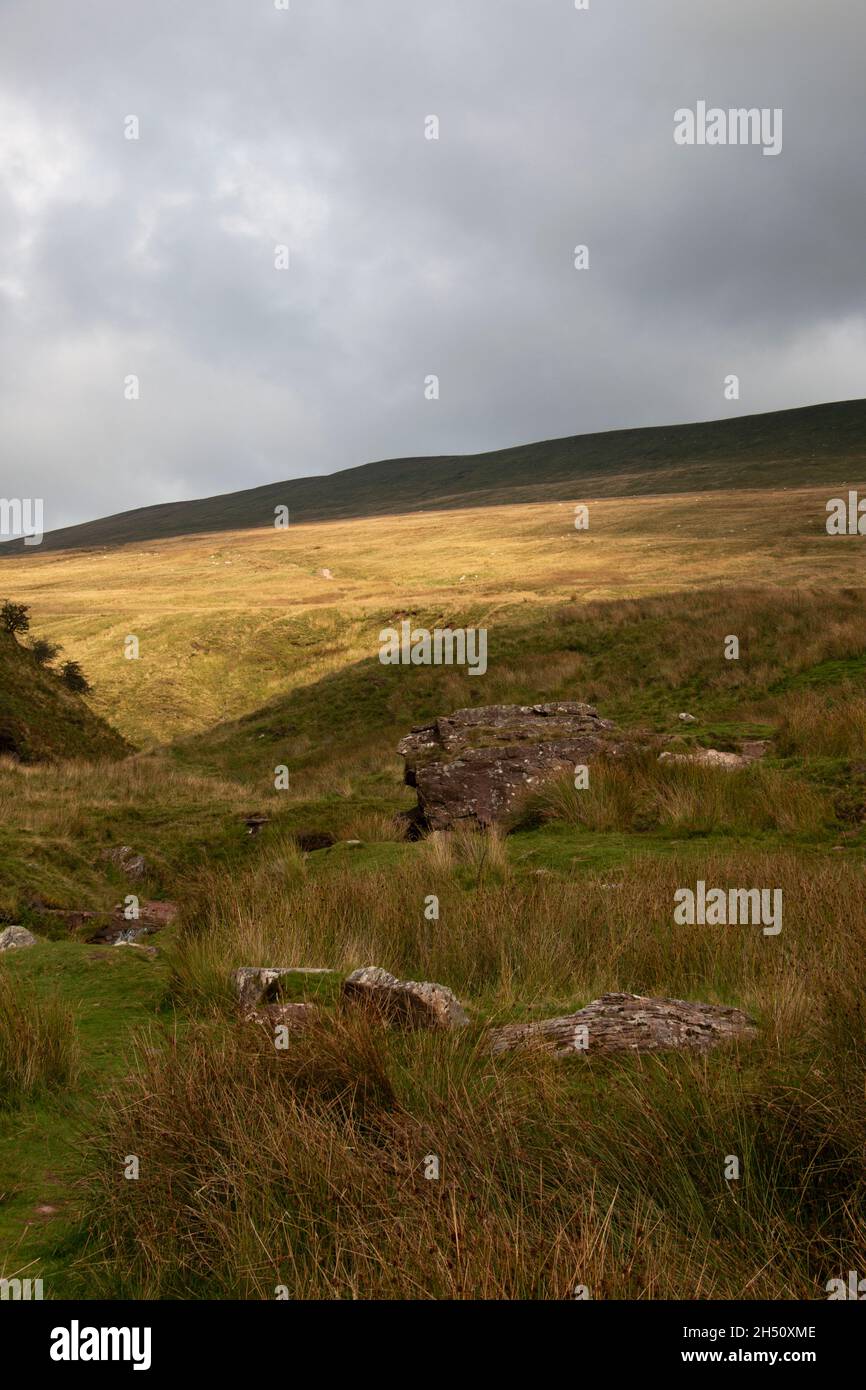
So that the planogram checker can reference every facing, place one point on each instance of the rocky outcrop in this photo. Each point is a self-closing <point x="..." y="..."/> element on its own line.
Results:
<point x="472" y="766"/>
<point x="12" y="938"/>
<point x="628" y="1023"/>
<point x="411" y="1003"/>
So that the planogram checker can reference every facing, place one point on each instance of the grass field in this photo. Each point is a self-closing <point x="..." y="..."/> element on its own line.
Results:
<point x="306" y="1169"/>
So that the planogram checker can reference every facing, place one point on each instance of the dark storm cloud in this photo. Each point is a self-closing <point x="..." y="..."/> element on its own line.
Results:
<point x="408" y="257"/>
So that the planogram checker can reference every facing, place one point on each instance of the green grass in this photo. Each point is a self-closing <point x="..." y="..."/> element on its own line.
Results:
<point x="104" y="993"/>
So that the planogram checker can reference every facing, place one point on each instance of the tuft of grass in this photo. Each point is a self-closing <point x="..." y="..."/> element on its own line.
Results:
<point x="639" y="793"/>
<point x="39" y="1049"/>
<point x="818" y="723"/>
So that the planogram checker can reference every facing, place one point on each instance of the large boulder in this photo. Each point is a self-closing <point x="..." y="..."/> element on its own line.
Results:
<point x="472" y="766"/>
<point x="411" y="1003"/>
<point x="628" y="1023"/>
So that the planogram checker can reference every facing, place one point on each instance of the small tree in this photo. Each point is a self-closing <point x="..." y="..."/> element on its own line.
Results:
<point x="72" y="676"/>
<point x="45" y="651"/>
<point x="15" y="617"/>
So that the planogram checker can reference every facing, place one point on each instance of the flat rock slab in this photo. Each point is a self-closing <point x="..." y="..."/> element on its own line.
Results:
<point x="474" y="765"/>
<point x="708" y="757"/>
<point x="13" y="938"/>
<point x="628" y="1023"/>
<point x="410" y="1003"/>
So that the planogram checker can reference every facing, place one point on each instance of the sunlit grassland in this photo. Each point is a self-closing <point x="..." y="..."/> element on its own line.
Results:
<point x="229" y="621"/>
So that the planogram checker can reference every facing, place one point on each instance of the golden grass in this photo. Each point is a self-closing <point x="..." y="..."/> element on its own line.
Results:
<point x="256" y="619"/>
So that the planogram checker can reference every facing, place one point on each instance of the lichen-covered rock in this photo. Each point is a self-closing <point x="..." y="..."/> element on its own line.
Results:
<point x="472" y="766"/>
<point x="412" y="1003"/>
<point x="12" y="938"/>
<point x="628" y="1023"/>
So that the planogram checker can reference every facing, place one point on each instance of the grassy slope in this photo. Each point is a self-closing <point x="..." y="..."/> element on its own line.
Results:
<point x="40" y="718"/>
<point x="817" y="444"/>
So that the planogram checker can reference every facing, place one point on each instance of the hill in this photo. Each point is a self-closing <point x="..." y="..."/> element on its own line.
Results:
<point x="40" y="719"/>
<point x="812" y="445"/>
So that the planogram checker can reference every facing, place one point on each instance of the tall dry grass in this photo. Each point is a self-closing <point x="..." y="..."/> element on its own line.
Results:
<point x="305" y="1168"/>
<point x="39" y="1050"/>
<point x="640" y="793"/>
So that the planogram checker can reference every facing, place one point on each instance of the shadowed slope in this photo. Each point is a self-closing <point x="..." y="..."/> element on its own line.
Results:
<point x="821" y="444"/>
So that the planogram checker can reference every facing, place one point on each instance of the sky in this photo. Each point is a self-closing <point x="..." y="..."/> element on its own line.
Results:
<point x="306" y="128"/>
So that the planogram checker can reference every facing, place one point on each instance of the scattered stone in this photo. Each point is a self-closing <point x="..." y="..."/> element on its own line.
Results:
<point x="628" y="1023"/>
<point x="354" y="843"/>
<point x="259" y="985"/>
<point x="294" y="1016"/>
<point x="473" y="766"/>
<point x="687" y="718"/>
<point x="11" y="938"/>
<point x="139" y="946"/>
<point x="123" y="857"/>
<point x="407" y="1002"/>
<point x="708" y="757"/>
<point x="254" y="823"/>
<point x="324" y="573"/>
<point x="314" y="839"/>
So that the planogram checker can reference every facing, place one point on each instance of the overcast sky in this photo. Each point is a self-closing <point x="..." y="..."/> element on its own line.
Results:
<point x="408" y="257"/>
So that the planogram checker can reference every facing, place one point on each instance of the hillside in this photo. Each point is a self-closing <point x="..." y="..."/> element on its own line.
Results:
<point x="814" y="445"/>
<point x="41" y="719"/>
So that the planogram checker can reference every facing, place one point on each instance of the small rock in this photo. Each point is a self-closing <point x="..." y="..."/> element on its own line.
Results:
<point x="324" y="574"/>
<point x="254" y="823"/>
<point x="13" y="937"/>
<point x="294" y="1016"/>
<point x="127" y="860"/>
<point x="409" y="1002"/>
<point x="687" y="718"/>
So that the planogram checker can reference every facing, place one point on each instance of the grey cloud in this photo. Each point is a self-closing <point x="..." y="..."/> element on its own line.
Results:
<point x="409" y="257"/>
